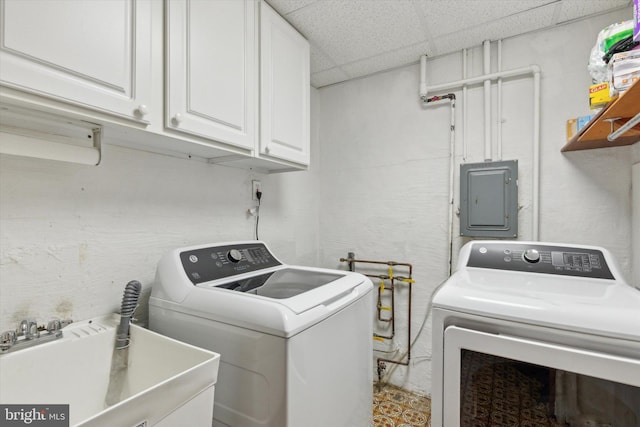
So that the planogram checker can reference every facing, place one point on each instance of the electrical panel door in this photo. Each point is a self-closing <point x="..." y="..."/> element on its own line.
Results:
<point x="489" y="199"/>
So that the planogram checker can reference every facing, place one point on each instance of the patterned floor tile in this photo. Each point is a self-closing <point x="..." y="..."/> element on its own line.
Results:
<point x="394" y="407"/>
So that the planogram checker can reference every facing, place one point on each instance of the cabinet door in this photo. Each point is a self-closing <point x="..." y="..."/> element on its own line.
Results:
<point x="284" y="90"/>
<point x="91" y="53"/>
<point x="211" y="69"/>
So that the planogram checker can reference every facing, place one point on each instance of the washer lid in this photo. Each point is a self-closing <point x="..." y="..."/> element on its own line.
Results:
<point x="299" y="289"/>
<point x="281" y="284"/>
<point x="319" y="294"/>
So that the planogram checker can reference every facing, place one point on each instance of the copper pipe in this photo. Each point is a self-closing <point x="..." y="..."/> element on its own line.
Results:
<point x="389" y="263"/>
<point x="379" y="302"/>
<point x="381" y="361"/>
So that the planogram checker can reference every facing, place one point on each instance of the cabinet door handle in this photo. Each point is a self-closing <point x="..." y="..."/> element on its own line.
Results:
<point x="177" y="119"/>
<point x="142" y="109"/>
<point x="267" y="149"/>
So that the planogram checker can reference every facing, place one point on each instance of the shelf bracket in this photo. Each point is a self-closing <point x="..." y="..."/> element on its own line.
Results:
<point x="624" y="128"/>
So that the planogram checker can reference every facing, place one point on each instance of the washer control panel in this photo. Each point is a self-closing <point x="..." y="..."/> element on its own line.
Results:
<point x="218" y="262"/>
<point x="534" y="258"/>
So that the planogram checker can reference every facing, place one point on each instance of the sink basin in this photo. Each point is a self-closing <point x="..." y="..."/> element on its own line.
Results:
<point x="167" y="383"/>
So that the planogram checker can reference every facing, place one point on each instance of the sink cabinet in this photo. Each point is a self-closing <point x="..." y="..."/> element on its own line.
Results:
<point x="94" y="54"/>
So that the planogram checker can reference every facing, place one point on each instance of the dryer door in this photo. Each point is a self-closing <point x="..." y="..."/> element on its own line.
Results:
<point x="492" y="379"/>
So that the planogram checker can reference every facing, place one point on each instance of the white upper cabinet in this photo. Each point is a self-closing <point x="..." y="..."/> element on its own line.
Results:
<point x="211" y="63"/>
<point x="284" y="89"/>
<point x="222" y="80"/>
<point x="96" y="54"/>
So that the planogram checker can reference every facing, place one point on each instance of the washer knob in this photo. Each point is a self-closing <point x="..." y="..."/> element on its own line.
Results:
<point x="234" y="255"/>
<point x="531" y="255"/>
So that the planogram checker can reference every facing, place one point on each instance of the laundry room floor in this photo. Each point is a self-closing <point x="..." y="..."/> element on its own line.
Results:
<point x="394" y="407"/>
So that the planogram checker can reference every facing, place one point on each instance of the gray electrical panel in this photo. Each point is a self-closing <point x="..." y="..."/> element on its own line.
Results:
<point x="489" y="199"/>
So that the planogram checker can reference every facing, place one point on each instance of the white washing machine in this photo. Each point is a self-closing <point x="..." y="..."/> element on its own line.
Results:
<point x="536" y="334"/>
<point x="295" y="342"/>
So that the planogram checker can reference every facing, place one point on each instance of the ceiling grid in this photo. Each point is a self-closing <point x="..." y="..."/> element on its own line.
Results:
<point x="354" y="38"/>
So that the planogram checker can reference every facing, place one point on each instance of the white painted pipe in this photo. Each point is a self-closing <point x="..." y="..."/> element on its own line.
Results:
<point x="535" y="204"/>
<point x="516" y="72"/>
<point x="487" y="99"/>
<point x="499" y="128"/>
<point x="423" y="77"/>
<point x="452" y="165"/>
<point x="523" y="71"/>
<point x="464" y="105"/>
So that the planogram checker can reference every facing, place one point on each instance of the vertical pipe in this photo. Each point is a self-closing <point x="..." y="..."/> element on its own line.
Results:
<point x="499" y="128"/>
<point x="452" y="159"/>
<point x="536" y="156"/>
<point x="464" y="105"/>
<point x="452" y="165"/>
<point x="423" y="76"/>
<point x="487" y="100"/>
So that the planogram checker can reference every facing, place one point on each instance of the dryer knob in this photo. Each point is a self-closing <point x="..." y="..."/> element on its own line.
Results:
<point x="234" y="255"/>
<point x="531" y="255"/>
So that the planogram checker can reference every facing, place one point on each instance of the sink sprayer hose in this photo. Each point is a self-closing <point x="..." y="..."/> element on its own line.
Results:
<point x="129" y="304"/>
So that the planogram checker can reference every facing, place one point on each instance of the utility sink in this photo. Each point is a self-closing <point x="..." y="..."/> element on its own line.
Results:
<point x="167" y="382"/>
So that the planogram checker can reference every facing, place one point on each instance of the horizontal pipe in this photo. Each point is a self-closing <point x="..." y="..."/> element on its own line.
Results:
<point x="624" y="128"/>
<point x="531" y="69"/>
<point x="391" y="263"/>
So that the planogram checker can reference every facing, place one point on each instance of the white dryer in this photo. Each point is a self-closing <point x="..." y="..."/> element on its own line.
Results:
<point x="536" y="334"/>
<point x="295" y="342"/>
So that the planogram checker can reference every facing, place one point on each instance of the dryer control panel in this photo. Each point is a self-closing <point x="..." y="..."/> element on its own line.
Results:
<point x="217" y="262"/>
<point x="535" y="258"/>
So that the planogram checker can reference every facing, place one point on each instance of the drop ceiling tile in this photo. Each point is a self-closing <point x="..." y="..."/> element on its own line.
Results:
<point x="357" y="29"/>
<point x="523" y="22"/>
<point x="327" y="77"/>
<point x="287" y="6"/>
<point x="455" y="16"/>
<point x="405" y="56"/>
<point x="573" y="9"/>
<point x="319" y="61"/>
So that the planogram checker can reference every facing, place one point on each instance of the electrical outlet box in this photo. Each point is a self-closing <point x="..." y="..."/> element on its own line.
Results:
<point x="255" y="187"/>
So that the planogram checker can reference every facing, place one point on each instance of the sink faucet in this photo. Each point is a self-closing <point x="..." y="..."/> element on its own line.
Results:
<point x="29" y="334"/>
<point x="28" y="329"/>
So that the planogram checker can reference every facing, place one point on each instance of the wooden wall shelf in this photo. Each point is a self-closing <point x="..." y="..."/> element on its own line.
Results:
<point x="594" y="134"/>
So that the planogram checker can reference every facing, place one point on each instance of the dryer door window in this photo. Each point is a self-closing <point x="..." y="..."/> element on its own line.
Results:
<point x="497" y="380"/>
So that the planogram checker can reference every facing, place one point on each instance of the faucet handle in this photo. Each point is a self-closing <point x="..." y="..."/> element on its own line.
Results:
<point x="29" y="329"/>
<point x="8" y="337"/>
<point x="54" y="326"/>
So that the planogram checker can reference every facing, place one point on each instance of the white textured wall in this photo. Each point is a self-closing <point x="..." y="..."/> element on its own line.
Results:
<point x="71" y="236"/>
<point x="385" y="167"/>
